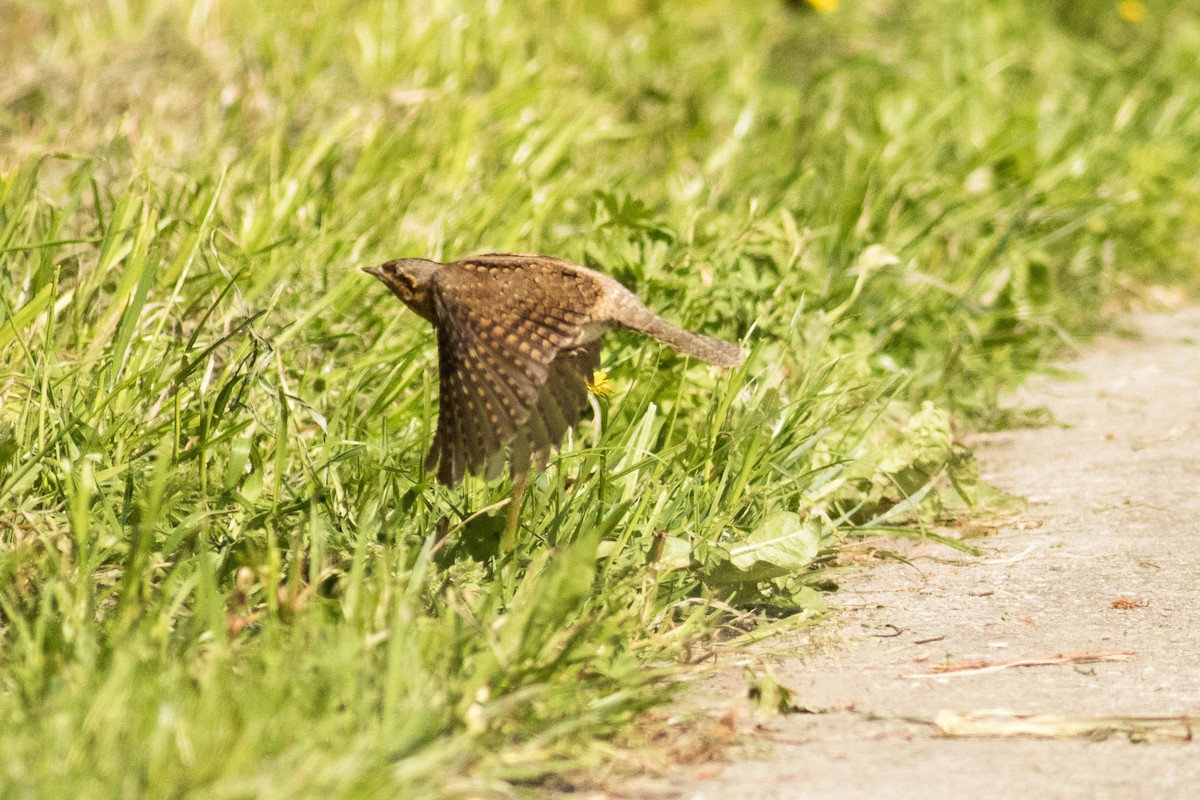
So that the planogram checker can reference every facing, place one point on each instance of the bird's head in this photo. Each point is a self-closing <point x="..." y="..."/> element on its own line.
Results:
<point x="410" y="279"/>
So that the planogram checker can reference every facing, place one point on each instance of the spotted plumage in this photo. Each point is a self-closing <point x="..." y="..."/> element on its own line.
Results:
<point x="518" y="340"/>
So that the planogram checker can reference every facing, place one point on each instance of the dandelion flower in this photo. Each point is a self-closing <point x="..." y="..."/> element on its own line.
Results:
<point x="599" y="384"/>
<point x="1131" y="10"/>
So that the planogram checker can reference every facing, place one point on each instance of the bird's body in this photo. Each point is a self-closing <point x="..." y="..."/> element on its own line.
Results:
<point x="518" y="341"/>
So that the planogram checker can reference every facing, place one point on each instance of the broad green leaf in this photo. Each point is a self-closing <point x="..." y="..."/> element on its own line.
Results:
<point x="784" y="543"/>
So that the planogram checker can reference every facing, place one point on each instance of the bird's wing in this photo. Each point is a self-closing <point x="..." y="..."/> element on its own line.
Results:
<point x="504" y="378"/>
<point x="561" y="399"/>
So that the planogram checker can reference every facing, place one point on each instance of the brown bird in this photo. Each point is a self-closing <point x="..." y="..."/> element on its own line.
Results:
<point x="518" y="342"/>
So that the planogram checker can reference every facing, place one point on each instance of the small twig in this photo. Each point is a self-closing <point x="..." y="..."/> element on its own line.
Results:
<point x="981" y="667"/>
<point x="895" y="632"/>
<point x="508" y="541"/>
<point x="1049" y="726"/>
<point x="1014" y="559"/>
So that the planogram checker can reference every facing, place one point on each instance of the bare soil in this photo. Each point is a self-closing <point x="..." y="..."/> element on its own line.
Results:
<point x="1106" y="560"/>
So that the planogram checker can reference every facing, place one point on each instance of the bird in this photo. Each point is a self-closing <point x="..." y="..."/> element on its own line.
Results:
<point x="518" y="340"/>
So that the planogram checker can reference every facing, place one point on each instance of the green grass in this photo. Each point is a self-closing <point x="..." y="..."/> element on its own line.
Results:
<point x="221" y="564"/>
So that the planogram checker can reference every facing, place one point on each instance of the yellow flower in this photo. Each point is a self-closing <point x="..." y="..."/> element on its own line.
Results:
<point x="599" y="384"/>
<point x="1131" y="10"/>
<point x="824" y="6"/>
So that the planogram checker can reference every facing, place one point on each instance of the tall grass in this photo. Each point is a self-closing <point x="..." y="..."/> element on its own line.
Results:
<point x="223" y="570"/>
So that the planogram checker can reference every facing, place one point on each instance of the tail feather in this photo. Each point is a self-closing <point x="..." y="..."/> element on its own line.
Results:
<point x="696" y="345"/>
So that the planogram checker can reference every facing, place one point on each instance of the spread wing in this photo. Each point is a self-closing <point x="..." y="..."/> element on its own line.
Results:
<point x="561" y="399"/>
<point x="507" y="377"/>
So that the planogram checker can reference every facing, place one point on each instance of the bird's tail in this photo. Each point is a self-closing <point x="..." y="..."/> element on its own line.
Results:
<point x="696" y="345"/>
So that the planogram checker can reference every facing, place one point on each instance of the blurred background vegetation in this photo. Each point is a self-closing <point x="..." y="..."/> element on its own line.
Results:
<point x="223" y="572"/>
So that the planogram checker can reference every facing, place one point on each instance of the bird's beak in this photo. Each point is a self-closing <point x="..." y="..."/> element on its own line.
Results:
<point x="373" y="271"/>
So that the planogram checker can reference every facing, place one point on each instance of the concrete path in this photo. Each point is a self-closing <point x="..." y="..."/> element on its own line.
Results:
<point x="1106" y="560"/>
